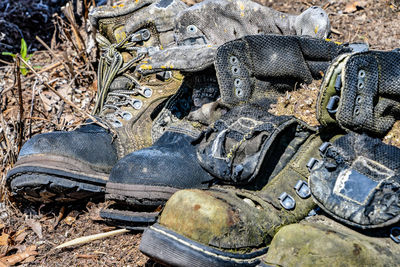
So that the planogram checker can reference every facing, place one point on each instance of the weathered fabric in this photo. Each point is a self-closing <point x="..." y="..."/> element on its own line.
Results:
<point x="361" y="93"/>
<point x="201" y="28"/>
<point x="358" y="181"/>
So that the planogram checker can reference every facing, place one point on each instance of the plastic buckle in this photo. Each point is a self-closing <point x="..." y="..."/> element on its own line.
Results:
<point x="311" y="163"/>
<point x="395" y="236"/>
<point x="302" y="189"/>
<point x="287" y="201"/>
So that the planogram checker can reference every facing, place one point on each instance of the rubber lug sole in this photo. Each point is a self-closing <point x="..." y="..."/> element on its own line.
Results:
<point x="46" y="185"/>
<point x="170" y="248"/>
<point x="137" y="221"/>
<point x="139" y="195"/>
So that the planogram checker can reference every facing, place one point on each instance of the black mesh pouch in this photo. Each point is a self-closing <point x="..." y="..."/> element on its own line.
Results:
<point x="259" y="66"/>
<point x="358" y="181"/>
<point x="361" y="93"/>
<point x="248" y="141"/>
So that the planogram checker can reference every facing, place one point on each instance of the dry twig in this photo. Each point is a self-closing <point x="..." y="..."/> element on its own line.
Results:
<point x="90" y="238"/>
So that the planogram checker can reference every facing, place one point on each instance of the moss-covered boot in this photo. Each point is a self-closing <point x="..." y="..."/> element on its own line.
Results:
<point x="227" y="226"/>
<point x="70" y="166"/>
<point x="320" y="241"/>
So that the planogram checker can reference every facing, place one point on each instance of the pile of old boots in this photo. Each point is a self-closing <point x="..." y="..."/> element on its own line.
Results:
<point x="183" y="126"/>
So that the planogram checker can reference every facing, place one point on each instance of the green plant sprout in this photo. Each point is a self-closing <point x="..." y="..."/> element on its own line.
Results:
<point x="24" y="55"/>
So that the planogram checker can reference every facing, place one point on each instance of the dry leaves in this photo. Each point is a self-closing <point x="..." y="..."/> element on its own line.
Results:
<point x="26" y="256"/>
<point x="354" y="6"/>
<point x="35" y="226"/>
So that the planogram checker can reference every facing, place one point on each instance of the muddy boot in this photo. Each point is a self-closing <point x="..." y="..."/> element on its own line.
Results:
<point x="361" y="92"/>
<point x="70" y="166"/>
<point x="229" y="20"/>
<point x="233" y="226"/>
<point x="358" y="181"/>
<point x="320" y="241"/>
<point x="238" y="139"/>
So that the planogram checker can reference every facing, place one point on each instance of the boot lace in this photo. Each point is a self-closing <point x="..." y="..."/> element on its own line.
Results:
<point x="111" y="65"/>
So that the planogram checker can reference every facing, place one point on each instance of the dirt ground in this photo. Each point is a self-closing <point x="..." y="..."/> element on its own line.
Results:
<point x="29" y="234"/>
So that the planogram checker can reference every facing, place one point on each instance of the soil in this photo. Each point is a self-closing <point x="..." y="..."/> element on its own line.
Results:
<point x="29" y="234"/>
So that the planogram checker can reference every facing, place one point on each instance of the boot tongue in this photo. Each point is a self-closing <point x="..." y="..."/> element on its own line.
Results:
<point x="234" y="149"/>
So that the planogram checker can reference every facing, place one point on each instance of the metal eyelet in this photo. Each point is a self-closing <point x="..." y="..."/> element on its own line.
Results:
<point x="287" y="201"/>
<point x="360" y="84"/>
<point x="338" y="83"/>
<point x="239" y="92"/>
<point x="137" y="104"/>
<point x="191" y="29"/>
<point x="147" y="92"/>
<point x="145" y="34"/>
<point x="311" y="163"/>
<point x="358" y="99"/>
<point x="238" y="82"/>
<point x="302" y="189"/>
<point x="233" y="60"/>
<point x="117" y="124"/>
<point x="323" y="148"/>
<point x="235" y="70"/>
<point x="357" y="111"/>
<point x="361" y="74"/>
<point x="126" y="115"/>
<point x="333" y="104"/>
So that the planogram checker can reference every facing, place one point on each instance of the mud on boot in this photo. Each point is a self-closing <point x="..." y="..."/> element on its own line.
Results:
<point x="320" y="241"/>
<point x="73" y="166"/>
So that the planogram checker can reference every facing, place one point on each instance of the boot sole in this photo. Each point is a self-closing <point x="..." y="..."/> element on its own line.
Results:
<point x="170" y="248"/>
<point x="138" y="197"/>
<point x="142" y="195"/>
<point x="137" y="221"/>
<point x="48" y="179"/>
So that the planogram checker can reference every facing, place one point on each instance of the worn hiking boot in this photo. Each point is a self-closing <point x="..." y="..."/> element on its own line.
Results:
<point x="203" y="27"/>
<point x="226" y="226"/>
<point x="320" y="241"/>
<point x="358" y="181"/>
<point x="233" y="148"/>
<point x="360" y="93"/>
<point x="70" y="166"/>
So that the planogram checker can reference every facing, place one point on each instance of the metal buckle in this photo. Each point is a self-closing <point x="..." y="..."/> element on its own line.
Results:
<point x="302" y="189"/>
<point x="395" y="236"/>
<point x="287" y="201"/>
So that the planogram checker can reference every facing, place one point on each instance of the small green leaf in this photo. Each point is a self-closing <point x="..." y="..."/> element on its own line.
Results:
<point x="24" y="71"/>
<point x="24" y="49"/>
<point x="8" y="54"/>
<point x="28" y="57"/>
